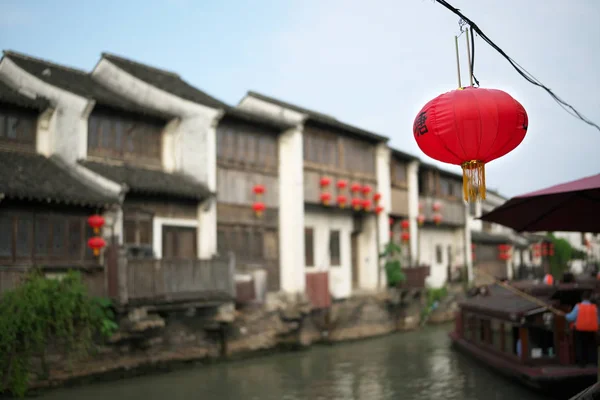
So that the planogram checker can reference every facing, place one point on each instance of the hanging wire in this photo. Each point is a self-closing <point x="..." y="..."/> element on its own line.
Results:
<point x="522" y="71"/>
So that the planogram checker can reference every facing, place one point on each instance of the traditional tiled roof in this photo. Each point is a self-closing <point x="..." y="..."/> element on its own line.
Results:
<point x="255" y="118"/>
<point x="323" y="119"/>
<point x="78" y="82"/>
<point x="502" y="301"/>
<point x="165" y="80"/>
<point x="31" y="176"/>
<point x="150" y="181"/>
<point x="8" y="95"/>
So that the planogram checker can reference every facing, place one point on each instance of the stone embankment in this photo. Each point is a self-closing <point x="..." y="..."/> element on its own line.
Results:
<point x="148" y="342"/>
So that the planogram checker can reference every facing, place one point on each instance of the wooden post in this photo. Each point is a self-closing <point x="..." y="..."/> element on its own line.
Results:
<point x="122" y="276"/>
<point x="457" y="61"/>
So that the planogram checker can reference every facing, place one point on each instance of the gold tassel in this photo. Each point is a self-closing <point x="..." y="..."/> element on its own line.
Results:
<point x="473" y="180"/>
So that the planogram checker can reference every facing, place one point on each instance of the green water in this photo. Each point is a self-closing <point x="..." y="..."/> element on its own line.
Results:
<point x="416" y="365"/>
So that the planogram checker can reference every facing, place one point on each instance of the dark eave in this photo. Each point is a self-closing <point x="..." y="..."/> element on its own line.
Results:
<point x="34" y="177"/>
<point x="489" y="238"/>
<point x="165" y="80"/>
<point x="151" y="182"/>
<point x="10" y="96"/>
<point x="324" y="120"/>
<point x="403" y="156"/>
<point x="80" y="83"/>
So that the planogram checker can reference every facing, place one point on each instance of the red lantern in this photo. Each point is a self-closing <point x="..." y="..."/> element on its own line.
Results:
<point x="96" y="243"/>
<point x="437" y="218"/>
<point x="436" y="206"/>
<point x="342" y="200"/>
<point x="405" y="224"/>
<point x="420" y="219"/>
<point x="420" y="206"/>
<point x="341" y="184"/>
<point x="366" y="205"/>
<point x="366" y="189"/>
<point x="96" y="222"/>
<point x="355" y="188"/>
<point x="326" y="198"/>
<point x="258" y="190"/>
<point x="258" y="208"/>
<point x="470" y="127"/>
<point x="325" y="181"/>
<point x="356" y="203"/>
<point x="377" y="197"/>
<point x="405" y="236"/>
<point x="378" y="210"/>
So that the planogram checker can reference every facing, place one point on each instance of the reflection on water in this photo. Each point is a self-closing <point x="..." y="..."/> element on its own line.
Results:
<point x="417" y="365"/>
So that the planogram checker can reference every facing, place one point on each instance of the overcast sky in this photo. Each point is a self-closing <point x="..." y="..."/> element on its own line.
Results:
<point x="370" y="63"/>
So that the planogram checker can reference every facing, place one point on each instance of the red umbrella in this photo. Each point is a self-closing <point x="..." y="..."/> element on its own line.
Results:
<point x="572" y="207"/>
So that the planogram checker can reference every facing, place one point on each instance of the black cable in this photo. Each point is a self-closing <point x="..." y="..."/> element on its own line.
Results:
<point x="473" y="56"/>
<point x="522" y="71"/>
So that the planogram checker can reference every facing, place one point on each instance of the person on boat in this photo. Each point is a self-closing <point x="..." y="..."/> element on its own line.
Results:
<point x="549" y="279"/>
<point x="585" y="320"/>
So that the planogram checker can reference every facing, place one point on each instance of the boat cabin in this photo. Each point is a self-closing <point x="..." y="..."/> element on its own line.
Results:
<point x="521" y="338"/>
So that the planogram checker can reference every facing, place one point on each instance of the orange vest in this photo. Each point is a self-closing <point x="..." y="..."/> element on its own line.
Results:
<point x="587" y="318"/>
<point x="548" y="279"/>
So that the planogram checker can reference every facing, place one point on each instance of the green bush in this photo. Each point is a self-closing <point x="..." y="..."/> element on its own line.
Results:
<point x="40" y="311"/>
<point x="393" y="266"/>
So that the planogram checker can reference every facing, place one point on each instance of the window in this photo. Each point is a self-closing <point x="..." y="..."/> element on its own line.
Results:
<point x="439" y="257"/>
<point x="309" y="243"/>
<point x="334" y="248"/>
<point x="247" y="242"/>
<point x="321" y="147"/>
<point x="244" y="144"/>
<point x="125" y="138"/>
<point x="359" y="156"/>
<point x="398" y="173"/>
<point x="178" y="242"/>
<point x="137" y="227"/>
<point x="18" y="128"/>
<point x="510" y="338"/>
<point x="445" y="188"/>
<point x="29" y="238"/>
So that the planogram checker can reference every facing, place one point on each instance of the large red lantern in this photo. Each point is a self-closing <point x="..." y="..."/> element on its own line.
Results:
<point x="96" y="222"/>
<point x="470" y="127"/>
<point x="258" y="208"/>
<point x="342" y="200"/>
<point x="96" y="243"/>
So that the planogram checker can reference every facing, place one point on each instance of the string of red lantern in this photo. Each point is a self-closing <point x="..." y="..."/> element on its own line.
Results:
<point x="405" y="224"/>
<point x="504" y="252"/>
<point x="258" y="206"/>
<point x="96" y="243"/>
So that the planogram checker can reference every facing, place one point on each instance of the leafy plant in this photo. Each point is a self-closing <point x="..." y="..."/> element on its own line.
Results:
<point x="393" y="266"/>
<point x="41" y="311"/>
<point x="103" y="312"/>
<point x="434" y="295"/>
<point x="563" y="253"/>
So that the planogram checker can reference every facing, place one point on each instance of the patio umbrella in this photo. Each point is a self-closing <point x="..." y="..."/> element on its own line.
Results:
<point x="572" y="207"/>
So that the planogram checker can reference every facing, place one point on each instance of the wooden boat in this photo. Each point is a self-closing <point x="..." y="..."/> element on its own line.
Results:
<point x="488" y="327"/>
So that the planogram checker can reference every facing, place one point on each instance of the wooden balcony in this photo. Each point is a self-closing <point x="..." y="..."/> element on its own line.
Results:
<point x="312" y="188"/>
<point x="415" y="277"/>
<point x="150" y="282"/>
<point x="452" y="211"/>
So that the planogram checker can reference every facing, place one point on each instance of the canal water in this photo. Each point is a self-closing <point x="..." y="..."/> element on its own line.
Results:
<point x="416" y="365"/>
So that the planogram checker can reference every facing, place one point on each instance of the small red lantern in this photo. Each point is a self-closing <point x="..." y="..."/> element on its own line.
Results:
<point x="405" y="224"/>
<point x="96" y="243"/>
<point x="325" y="181"/>
<point x="437" y="206"/>
<point x="377" y="197"/>
<point x="470" y="127"/>
<point x="356" y="203"/>
<point x="420" y="206"/>
<point x="366" y="189"/>
<point x="405" y="236"/>
<point x="326" y="198"/>
<point x="366" y="204"/>
<point x="378" y="210"/>
<point x="437" y="218"/>
<point x="355" y="188"/>
<point x="420" y="219"/>
<point x="96" y="222"/>
<point x="258" y="190"/>
<point x="258" y="208"/>
<point x="342" y="184"/>
<point x="342" y="200"/>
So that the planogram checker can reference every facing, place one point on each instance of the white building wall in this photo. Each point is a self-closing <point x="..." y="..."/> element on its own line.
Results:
<point x="383" y="156"/>
<point x="444" y="237"/>
<point x="340" y="277"/>
<point x="413" y="207"/>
